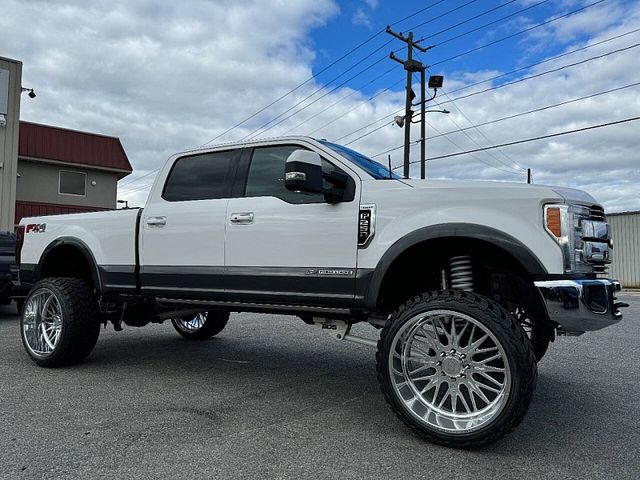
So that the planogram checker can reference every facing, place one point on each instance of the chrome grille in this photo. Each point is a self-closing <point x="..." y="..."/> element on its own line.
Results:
<point x="596" y="213"/>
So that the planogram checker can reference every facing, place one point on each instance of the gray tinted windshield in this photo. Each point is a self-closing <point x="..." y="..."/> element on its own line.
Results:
<point x="373" y="168"/>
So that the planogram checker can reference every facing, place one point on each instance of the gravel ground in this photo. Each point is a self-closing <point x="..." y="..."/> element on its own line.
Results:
<point x="274" y="398"/>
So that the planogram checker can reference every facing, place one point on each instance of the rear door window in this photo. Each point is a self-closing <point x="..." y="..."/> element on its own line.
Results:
<point x="201" y="177"/>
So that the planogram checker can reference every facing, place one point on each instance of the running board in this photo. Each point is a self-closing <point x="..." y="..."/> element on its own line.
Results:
<point x="243" y="306"/>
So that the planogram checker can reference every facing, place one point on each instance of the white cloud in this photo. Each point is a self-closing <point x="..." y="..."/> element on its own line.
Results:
<point x="372" y="4"/>
<point x="361" y="18"/>
<point x="164" y="77"/>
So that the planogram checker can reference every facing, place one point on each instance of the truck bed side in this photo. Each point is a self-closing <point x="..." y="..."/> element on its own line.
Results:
<point x="108" y="241"/>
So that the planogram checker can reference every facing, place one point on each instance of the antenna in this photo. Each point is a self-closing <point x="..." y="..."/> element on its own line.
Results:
<point x="390" y="170"/>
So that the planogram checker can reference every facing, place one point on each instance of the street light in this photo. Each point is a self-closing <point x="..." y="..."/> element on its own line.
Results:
<point x="31" y="94"/>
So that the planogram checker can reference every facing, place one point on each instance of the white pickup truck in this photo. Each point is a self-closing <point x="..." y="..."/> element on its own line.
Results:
<point x="467" y="282"/>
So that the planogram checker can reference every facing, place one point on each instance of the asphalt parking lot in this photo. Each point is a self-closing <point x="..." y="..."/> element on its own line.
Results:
<point x="274" y="398"/>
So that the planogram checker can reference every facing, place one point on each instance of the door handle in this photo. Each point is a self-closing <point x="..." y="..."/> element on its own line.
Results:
<point x="243" y="218"/>
<point x="156" y="221"/>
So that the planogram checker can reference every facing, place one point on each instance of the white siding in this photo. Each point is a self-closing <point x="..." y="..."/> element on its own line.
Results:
<point x="625" y="232"/>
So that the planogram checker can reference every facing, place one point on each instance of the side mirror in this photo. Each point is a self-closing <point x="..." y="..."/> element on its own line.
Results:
<point x="303" y="172"/>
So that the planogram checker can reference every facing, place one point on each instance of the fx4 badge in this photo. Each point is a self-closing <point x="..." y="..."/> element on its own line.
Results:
<point x="366" y="224"/>
<point x="35" y="228"/>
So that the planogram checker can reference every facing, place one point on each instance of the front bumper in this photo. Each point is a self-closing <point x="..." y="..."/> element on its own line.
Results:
<point x="579" y="306"/>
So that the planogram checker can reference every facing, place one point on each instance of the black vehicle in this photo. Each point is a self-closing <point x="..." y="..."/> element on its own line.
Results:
<point x="7" y="259"/>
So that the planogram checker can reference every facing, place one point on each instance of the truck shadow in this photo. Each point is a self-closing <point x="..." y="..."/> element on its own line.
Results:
<point x="256" y="372"/>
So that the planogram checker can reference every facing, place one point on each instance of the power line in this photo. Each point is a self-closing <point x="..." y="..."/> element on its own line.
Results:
<point x="378" y="33"/>
<point x="445" y="30"/>
<point x="496" y="87"/>
<point x="324" y="69"/>
<point x="341" y="99"/>
<point x="547" y="22"/>
<point x="527" y="140"/>
<point x="547" y="72"/>
<point x="493" y="22"/>
<point x="512" y="172"/>
<point x="266" y="126"/>
<point x="433" y="19"/>
<point x="369" y="133"/>
<point x="519" y="167"/>
<point x="555" y="57"/>
<point x="528" y="112"/>
<point x="370" y="39"/>
<point x="540" y="109"/>
<point x="260" y="130"/>
<point x="356" y="107"/>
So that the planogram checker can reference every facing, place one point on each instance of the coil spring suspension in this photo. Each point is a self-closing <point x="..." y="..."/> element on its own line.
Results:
<point x="461" y="273"/>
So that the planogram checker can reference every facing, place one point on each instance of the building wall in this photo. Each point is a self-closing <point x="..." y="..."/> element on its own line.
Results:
<point x="9" y="142"/>
<point x="38" y="182"/>
<point x="625" y="232"/>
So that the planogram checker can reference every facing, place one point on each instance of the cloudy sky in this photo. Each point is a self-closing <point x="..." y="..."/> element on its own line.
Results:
<point x="166" y="76"/>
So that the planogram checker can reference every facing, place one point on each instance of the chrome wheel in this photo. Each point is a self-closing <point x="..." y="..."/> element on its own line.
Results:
<point x="449" y="371"/>
<point x="42" y="323"/>
<point x="191" y="324"/>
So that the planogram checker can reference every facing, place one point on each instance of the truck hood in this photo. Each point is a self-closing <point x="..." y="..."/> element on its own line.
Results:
<point x="569" y="195"/>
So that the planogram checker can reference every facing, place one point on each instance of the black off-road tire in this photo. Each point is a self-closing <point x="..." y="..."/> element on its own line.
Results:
<point x="539" y="336"/>
<point x="80" y="321"/>
<point x="214" y="323"/>
<point x="519" y="354"/>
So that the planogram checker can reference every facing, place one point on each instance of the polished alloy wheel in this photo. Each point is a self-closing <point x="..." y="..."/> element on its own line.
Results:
<point x="42" y="324"/>
<point x="191" y="324"/>
<point x="450" y="371"/>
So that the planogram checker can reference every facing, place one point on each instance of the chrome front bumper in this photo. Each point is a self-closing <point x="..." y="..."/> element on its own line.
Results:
<point x="579" y="306"/>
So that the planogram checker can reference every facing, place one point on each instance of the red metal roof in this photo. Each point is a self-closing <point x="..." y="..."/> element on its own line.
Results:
<point x="82" y="148"/>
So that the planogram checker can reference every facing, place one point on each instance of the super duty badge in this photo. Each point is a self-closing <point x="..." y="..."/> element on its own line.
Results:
<point x="366" y="224"/>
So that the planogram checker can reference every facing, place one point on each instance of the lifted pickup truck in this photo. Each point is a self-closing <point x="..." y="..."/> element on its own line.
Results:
<point x="467" y="282"/>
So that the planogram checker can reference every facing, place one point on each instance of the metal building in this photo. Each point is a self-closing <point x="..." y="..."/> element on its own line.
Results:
<point x="625" y="231"/>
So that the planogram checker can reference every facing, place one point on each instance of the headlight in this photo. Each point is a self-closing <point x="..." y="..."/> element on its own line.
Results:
<point x="583" y="235"/>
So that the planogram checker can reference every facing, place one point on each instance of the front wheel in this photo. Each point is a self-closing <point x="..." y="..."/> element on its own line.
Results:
<point x="457" y="368"/>
<point x="202" y="325"/>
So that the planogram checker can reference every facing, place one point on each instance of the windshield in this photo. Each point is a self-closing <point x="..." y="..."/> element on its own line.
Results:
<point x="373" y="168"/>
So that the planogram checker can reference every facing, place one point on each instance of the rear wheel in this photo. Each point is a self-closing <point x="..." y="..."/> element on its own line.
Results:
<point x="60" y="321"/>
<point x="202" y="325"/>
<point x="456" y="368"/>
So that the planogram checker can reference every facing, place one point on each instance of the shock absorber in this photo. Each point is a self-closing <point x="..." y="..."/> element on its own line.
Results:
<point x="461" y="273"/>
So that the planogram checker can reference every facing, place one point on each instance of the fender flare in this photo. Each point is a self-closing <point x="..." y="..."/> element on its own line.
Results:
<point x="518" y="250"/>
<point x="82" y="247"/>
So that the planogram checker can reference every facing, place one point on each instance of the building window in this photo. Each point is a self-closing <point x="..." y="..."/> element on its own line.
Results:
<point x="72" y="183"/>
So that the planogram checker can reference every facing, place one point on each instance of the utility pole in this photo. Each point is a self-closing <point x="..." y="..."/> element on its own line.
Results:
<point x="411" y="66"/>
<point x="528" y="175"/>
<point x="423" y="124"/>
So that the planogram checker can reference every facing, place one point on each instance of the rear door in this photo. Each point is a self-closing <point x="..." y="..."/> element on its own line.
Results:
<point x="183" y="228"/>
<point x="289" y="247"/>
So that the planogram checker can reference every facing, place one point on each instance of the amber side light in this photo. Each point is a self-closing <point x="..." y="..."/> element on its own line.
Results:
<point x="554" y="223"/>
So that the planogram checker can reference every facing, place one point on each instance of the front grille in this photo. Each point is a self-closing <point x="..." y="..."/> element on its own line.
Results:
<point x="596" y="212"/>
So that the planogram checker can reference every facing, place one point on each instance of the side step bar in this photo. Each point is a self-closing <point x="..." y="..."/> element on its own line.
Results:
<point x="257" y="307"/>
